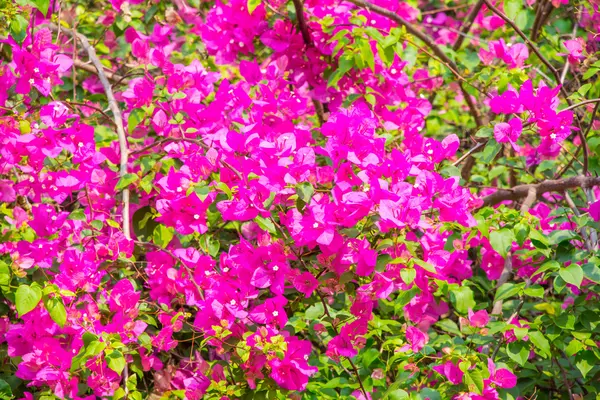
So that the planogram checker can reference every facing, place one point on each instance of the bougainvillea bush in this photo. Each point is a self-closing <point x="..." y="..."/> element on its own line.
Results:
<point x="328" y="199"/>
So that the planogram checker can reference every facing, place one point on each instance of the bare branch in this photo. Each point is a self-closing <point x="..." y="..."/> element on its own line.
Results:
<point x="117" y="117"/>
<point x="529" y="200"/>
<point x="429" y="43"/>
<point x="523" y="191"/>
<point x="531" y="45"/>
<point x="466" y="26"/>
<point x="90" y="68"/>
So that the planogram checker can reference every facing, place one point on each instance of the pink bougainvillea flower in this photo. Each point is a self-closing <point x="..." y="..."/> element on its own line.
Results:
<point x="575" y="49"/>
<point x="479" y="318"/>
<point x="594" y="210"/>
<point x="306" y="283"/>
<point x="501" y="377"/>
<point x="416" y="338"/>
<point x="509" y="132"/>
<point x="451" y="371"/>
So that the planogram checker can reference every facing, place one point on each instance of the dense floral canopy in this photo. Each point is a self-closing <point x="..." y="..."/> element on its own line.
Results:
<point x="328" y="199"/>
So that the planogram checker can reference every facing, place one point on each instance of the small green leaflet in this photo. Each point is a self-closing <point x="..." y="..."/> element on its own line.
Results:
<point x="253" y="5"/>
<point x="27" y="298"/>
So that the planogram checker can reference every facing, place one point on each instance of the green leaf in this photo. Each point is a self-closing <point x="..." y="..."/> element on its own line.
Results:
<point x="591" y="272"/>
<point x="252" y="5"/>
<point x="508" y="290"/>
<point x="518" y="352"/>
<point x="315" y="311"/>
<point x="512" y="8"/>
<point x="143" y="223"/>
<point x="27" y="298"/>
<point x="382" y="261"/>
<point x="42" y="5"/>
<point x="305" y="191"/>
<point x="462" y="299"/>
<point x="408" y="275"/>
<point x="56" y="309"/>
<point x="535" y="291"/>
<point x="540" y="342"/>
<point x="398" y="394"/>
<point x="369" y="356"/>
<point x="492" y="148"/>
<point x="367" y="54"/>
<point x="77" y="215"/>
<point x="136" y="116"/>
<point x="557" y="237"/>
<point x="5" y="389"/>
<point x="502" y="240"/>
<point x="116" y="361"/>
<point x="585" y="361"/>
<point x="265" y="224"/>
<point x="5" y="276"/>
<point x="474" y="381"/>
<point x="346" y="63"/>
<point x="485" y="132"/>
<point x="126" y="180"/>
<point x="572" y="274"/>
<point x="163" y="235"/>
<point x="18" y="29"/>
<point x="425" y="265"/>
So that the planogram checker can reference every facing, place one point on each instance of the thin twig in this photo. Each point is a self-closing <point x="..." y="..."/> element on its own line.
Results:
<point x="429" y="43"/>
<point x="521" y="191"/>
<point x="566" y="380"/>
<point x="531" y="45"/>
<point x="583" y="103"/>
<point x="529" y="200"/>
<point x="319" y="110"/>
<point x="326" y="310"/>
<point x="468" y="153"/>
<point x="466" y="26"/>
<point x="118" y="119"/>
<point x="584" y="231"/>
<point x="90" y="68"/>
<point x="188" y="140"/>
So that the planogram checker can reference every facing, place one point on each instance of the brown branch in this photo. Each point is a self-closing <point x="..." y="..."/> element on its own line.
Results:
<point x="583" y="103"/>
<point x="90" y="68"/>
<point x="114" y="107"/>
<point x="529" y="200"/>
<point x="531" y="45"/>
<point x="188" y="140"/>
<point x="429" y="43"/>
<point x="523" y="191"/>
<point x="466" y="26"/>
<point x="302" y="23"/>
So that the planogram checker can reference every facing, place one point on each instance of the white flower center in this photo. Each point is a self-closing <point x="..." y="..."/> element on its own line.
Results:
<point x="179" y="189"/>
<point x="233" y="302"/>
<point x="553" y="136"/>
<point x="275" y="313"/>
<point x="394" y="70"/>
<point x="36" y="70"/>
<point x="241" y="44"/>
<point x="225" y="269"/>
<point x="276" y="268"/>
<point x="54" y="218"/>
<point x="196" y="216"/>
<point x="316" y="225"/>
<point x="31" y="81"/>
